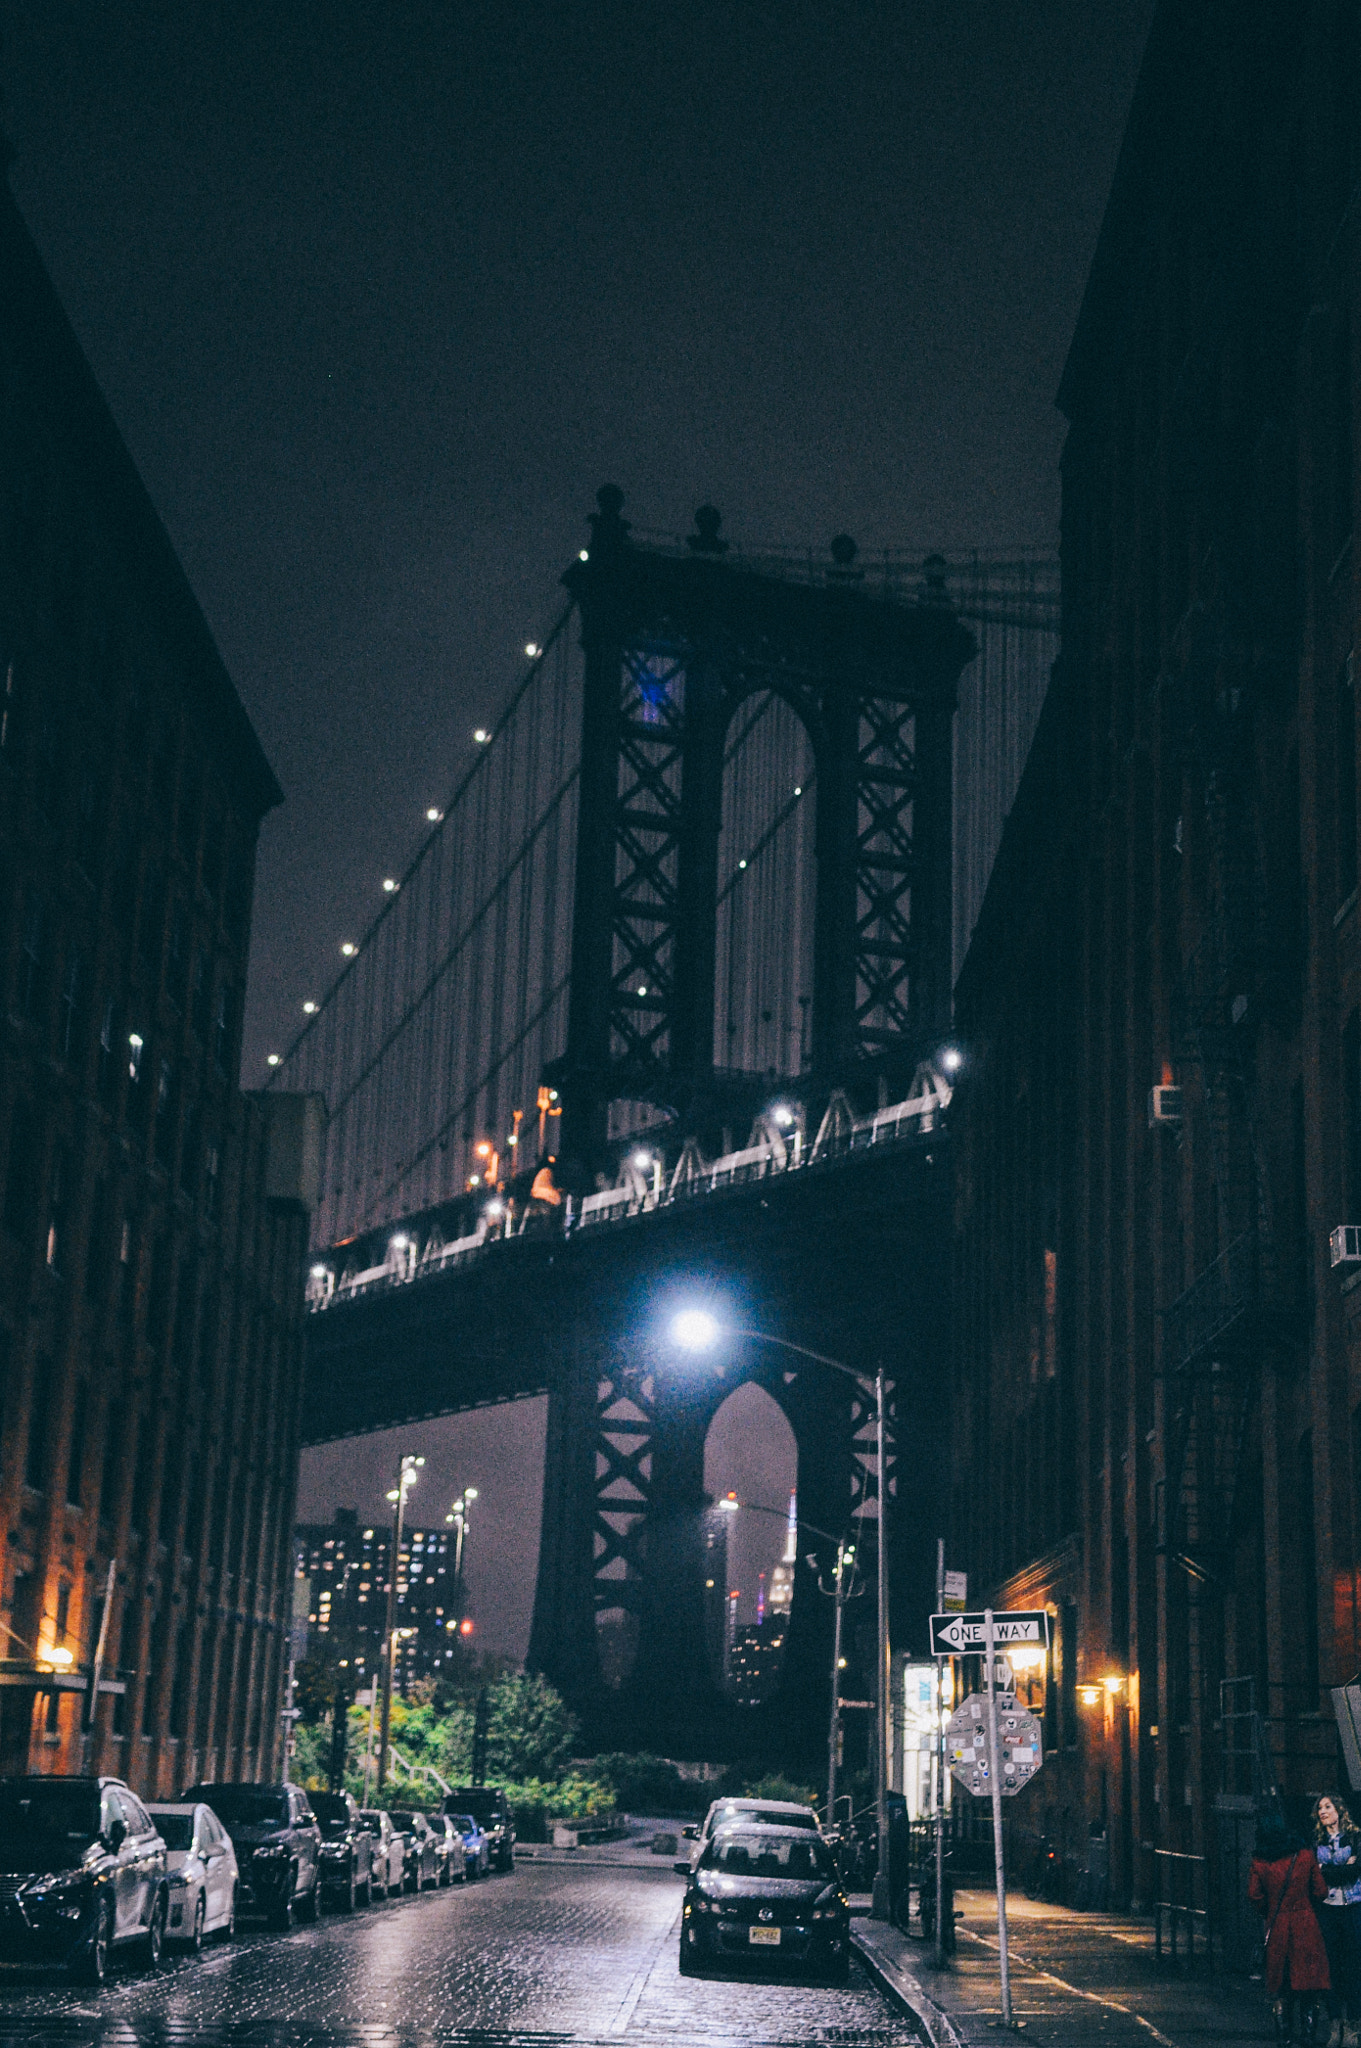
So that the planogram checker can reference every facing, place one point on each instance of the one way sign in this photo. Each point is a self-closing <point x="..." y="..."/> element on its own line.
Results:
<point x="958" y="1635"/>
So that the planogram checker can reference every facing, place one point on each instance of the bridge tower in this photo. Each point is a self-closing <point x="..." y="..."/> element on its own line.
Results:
<point x="674" y="641"/>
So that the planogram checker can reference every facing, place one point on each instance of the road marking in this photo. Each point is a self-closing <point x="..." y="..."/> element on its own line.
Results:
<point x="620" y="2023"/>
<point x="1048" y="1977"/>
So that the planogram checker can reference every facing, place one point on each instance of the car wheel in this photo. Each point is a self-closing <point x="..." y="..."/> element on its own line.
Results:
<point x="195" y="1942"/>
<point x="154" y="1939"/>
<point x="507" y="1860"/>
<point x="229" y="1930"/>
<point x="411" y="1881"/>
<point x="345" y="1897"/>
<point x="368" y="1887"/>
<point x="690" y="1964"/>
<point x="310" y="1907"/>
<point x="92" y="1965"/>
<point x="280" y="1914"/>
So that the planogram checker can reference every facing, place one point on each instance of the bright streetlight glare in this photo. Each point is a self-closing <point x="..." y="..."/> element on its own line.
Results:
<point x="389" y="884"/>
<point x="952" y="1059"/>
<point x="272" y="1060"/>
<point x="348" y="948"/>
<point x="694" y="1329"/>
<point x="309" y="1009"/>
<point x="642" y="1159"/>
<point x="481" y="736"/>
<point x="532" y="649"/>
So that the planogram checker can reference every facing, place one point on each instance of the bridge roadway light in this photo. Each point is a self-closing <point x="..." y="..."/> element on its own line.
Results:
<point x="951" y="1059"/>
<point x="694" y="1329"/>
<point x="408" y="1472"/>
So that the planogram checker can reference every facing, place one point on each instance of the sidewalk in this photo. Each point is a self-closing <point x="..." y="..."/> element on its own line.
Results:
<point x="1076" y="1979"/>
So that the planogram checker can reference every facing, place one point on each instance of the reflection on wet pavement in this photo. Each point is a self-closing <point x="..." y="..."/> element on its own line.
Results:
<point x="550" y="1956"/>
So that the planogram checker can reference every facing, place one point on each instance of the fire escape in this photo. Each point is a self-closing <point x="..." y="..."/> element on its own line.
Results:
<point x="1237" y="1316"/>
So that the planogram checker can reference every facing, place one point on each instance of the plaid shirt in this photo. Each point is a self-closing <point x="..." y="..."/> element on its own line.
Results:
<point x="1338" y="1850"/>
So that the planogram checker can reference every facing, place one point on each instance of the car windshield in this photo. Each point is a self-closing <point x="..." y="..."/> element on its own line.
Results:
<point x="482" y="1806"/>
<point x="47" y="1823"/>
<point x="464" y="1822"/>
<point x="405" y="1821"/>
<point x="246" y="1806"/>
<point x="332" y="1812"/>
<point x="371" y="1817"/>
<point x="176" y="1830"/>
<point x="755" y="1816"/>
<point x="760" y="1855"/>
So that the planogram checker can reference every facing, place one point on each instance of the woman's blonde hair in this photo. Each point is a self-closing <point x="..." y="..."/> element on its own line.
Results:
<point x="1345" y="1824"/>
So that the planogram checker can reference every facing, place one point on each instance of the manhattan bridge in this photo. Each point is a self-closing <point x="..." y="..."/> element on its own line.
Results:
<point x="659" y="1012"/>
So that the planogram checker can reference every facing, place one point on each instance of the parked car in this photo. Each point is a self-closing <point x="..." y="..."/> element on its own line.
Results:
<point x="389" y="1849"/>
<point x="765" y="1892"/>
<point x="346" y="1850"/>
<point x="82" y="1872"/>
<point x="201" y="1873"/>
<point x="278" y="1847"/>
<point x="476" y="1847"/>
<point x="490" y="1808"/>
<point x="770" y="1813"/>
<point x="448" y="1847"/>
<point x="421" y="1862"/>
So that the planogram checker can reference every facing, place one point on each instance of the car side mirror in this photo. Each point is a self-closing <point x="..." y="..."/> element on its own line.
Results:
<point x="691" y="1834"/>
<point x="681" y="1869"/>
<point x="118" y="1833"/>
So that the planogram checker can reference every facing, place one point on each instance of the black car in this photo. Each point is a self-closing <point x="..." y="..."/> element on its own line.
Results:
<point x="420" y="1865"/>
<point x="490" y="1809"/>
<point x="346" y="1849"/>
<point x="277" y="1843"/>
<point x="765" y="1894"/>
<point x="82" y="1872"/>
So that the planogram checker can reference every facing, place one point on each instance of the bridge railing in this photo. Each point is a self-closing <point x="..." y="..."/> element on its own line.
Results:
<point x="775" y="1151"/>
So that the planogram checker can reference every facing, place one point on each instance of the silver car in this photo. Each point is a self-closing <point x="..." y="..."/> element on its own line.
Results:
<point x="201" y="1867"/>
<point x="389" y="1851"/>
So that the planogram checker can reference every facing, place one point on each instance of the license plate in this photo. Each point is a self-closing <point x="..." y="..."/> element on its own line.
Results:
<point x="764" y="1937"/>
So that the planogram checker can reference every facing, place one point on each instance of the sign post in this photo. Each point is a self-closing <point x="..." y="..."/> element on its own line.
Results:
<point x="940" y="1769"/>
<point x="979" y="1761"/>
<point x="995" y="1776"/>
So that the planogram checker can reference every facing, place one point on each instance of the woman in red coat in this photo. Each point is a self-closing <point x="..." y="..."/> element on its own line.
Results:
<point x="1285" y="1882"/>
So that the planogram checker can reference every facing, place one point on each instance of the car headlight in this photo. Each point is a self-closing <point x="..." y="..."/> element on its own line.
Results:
<point x="269" y="1850"/>
<point x="335" y="1848"/>
<point x="178" y="1880"/>
<point x="62" y="1897"/>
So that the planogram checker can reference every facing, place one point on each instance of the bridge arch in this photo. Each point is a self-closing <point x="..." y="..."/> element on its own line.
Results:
<point x="751" y="1459"/>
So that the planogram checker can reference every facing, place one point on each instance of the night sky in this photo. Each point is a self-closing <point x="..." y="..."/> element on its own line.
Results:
<point x="379" y="294"/>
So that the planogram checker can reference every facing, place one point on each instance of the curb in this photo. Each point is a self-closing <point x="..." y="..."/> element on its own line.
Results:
<point x="905" y="1991"/>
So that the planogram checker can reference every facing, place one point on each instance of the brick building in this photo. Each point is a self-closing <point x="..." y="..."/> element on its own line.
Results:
<point x="1157" y="1372"/>
<point x="152" y="1218"/>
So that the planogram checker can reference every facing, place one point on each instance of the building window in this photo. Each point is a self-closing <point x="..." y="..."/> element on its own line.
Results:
<point x="224" y="1025"/>
<point x="73" y="1008"/>
<point x="63" y="1612"/>
<point x="1346" y="782"/>
<point x="30" y="989"/>
<point x="110" y="1053"/>
<point x="58" y="1203"/>
<point x="212" y="1179"/>
<point x="75" y="1461"/>
<point x="113" y="1462"/>
<point x="21" y="1175"/>
<point x="165" y="1114"/>
<point x="39" y="1423"/>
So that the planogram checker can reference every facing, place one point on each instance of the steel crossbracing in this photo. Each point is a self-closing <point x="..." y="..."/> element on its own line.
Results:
<point x="443" y="1049"/>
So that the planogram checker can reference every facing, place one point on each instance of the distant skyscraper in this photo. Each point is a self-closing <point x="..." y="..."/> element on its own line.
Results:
<point x="782" y="1578"/>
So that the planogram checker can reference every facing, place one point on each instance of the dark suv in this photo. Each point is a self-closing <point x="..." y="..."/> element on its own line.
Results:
<point x="346" y="1849"/>
<point x="82" y="1871"/>
<point x="489" y="1808"/>
<point x="277" y="1843"/>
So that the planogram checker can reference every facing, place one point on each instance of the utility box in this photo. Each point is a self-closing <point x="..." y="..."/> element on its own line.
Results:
<point x="1164" y="1105"/>
<point x="1344" y="1244"/>
<point x="293" y="1168"/>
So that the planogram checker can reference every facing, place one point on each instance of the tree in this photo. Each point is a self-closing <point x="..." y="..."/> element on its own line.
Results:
<point x="530" y="1733"/>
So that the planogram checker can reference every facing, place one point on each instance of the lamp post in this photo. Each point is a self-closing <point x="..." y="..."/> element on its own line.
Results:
<point x="460" y="1516"/>
<point x="407" y="1474"/>
<point x="696" y="1330"/>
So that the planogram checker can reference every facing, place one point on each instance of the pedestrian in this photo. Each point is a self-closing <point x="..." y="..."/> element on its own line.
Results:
<point x="1338" y="1848"/>
<point x="1284" y="1882"/>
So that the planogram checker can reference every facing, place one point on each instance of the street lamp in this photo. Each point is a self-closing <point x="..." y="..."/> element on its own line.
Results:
<point x="460" y="1516"/>
<point x="407" y="1474"/>
<point x="694" y="1329"/>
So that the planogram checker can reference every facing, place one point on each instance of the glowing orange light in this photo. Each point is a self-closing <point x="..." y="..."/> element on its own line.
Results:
<point x="465" y="1628"/>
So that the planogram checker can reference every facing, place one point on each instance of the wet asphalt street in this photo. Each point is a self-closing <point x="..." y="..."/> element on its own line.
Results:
<point x="553" y="1955"/>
